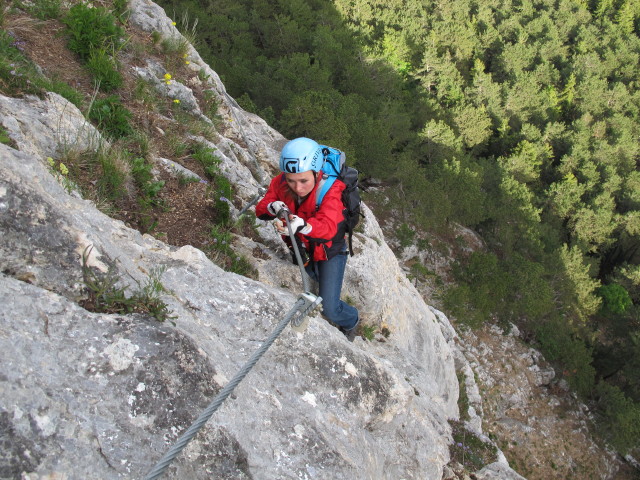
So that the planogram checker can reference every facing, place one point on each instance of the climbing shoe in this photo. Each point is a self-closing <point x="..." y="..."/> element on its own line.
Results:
<point x="350" y="333"/>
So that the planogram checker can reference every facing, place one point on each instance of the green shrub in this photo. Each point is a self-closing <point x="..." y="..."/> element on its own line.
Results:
<point x="148" y="187"/>
<point x="405" y="235"/>
<point x="111" y="117"/>
<point x="368" y="332"/>
<point x="469" y="450"/>
<point x="559" y="344"/>
<point x="112" y="180"/>
<point x="222" y="204"/>
<point x="104" y="70"/>
<point x="620" y="417"/>
<point x="615" y="298"/>
<point x="4" y="137"/>
<point x="91" y="28"/>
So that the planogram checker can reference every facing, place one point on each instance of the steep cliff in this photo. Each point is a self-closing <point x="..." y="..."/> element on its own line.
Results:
<point x="97" y="395"/>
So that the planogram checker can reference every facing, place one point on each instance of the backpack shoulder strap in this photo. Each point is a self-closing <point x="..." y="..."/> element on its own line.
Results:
<point x="323" y="187"/>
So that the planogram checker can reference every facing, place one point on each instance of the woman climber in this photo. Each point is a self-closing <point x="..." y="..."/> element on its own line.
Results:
<point x="319" y="231"/>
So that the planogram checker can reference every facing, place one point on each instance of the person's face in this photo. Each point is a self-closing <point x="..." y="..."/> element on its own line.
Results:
<point x="301" y="183"/>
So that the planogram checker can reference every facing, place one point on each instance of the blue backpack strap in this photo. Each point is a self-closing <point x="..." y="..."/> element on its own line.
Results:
<point x="323" y="187"/>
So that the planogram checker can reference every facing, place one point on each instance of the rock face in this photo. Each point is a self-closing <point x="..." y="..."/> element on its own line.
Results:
<point x="87" y="395"/>
<point x="94" y="395"/>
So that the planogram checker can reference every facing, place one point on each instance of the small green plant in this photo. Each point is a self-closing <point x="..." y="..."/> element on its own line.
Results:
<point x="184" y="179"/>
<point x="112" y="179"/>
<point x="469" y="450"/>
<point x="104" y="69"/>
<point x="148" y="297"/>
<point x="4" y="137"/>
<point x="405" y="235"/>
<point x="91" y="28"/>
<point x="156" y="37"/>
<point x="43" y="9"/>
<point x="17" y="73"/>
<point x="111" y="117"/>
<point x="121" y="9"/>
<point x="207" y="158"/>
<point x="104" y="296"/>
<point x="148" y="187"/>
<point x="211" y="106"/>
<point x="368" y="332"/>
<point x="61" y="172"/>
<point x="242" y="266"/>
<point x="221" y="252"/>
<point x="174" y="49"/>
<point x="463" y="398"/>
<point x="202" y="75"/>
<point x="178" y="146"/>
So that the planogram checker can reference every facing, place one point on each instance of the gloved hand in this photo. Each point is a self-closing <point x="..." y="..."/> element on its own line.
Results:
<point x="275" y="207"/>
<point x="299" y="225"/>
<point x="280" y="227"/>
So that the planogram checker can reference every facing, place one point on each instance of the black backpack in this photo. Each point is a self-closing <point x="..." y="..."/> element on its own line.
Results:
<point x="334" y="167"/>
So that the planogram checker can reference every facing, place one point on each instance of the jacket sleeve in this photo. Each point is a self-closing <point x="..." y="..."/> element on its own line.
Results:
<point x="324" y="225"/>
<point x="271" y="196"/>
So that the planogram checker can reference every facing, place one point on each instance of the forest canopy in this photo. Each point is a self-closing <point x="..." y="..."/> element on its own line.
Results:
<point x="518" y="119"/>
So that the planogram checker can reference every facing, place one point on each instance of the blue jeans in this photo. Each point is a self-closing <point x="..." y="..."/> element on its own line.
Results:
<point x="330" y="274"/>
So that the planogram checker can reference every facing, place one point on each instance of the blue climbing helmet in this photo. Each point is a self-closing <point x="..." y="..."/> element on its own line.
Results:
<point x="301" y="155"/>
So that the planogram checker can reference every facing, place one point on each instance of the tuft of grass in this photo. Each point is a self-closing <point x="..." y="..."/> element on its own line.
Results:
<point x="463" y="398"/>
<point x="103" y="176"/>
<point x="468" y="449"/>
<point x="121" y="10"/>
<point x="5" y="138"/>
<point x="111" y="117"/>
<point x="208" y="159"/>
<point x="43" y="9"/>
<point x="220" y="251"/>
<point x="105" y="296"/>
<point x="148" y="187"/>
<point x="104" y="69"/>
<point x="368" y="332"/>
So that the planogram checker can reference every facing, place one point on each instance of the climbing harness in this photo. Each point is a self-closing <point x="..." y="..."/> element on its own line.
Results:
<point x="305" y="304"/>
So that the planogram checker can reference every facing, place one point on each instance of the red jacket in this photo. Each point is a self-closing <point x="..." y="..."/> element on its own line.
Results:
<point x="326" y="238"/>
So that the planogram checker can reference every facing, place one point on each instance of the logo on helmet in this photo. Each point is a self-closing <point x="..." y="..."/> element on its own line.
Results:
<point x="291" y="166"/>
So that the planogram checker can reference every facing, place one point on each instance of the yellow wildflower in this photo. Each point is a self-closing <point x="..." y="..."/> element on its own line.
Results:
<point x="63" y="169"/>
<point x="173" y="23"/>
<point x="187" y="62"/>
<point x="50" y="161"/>
<point x="176" y="101"/>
